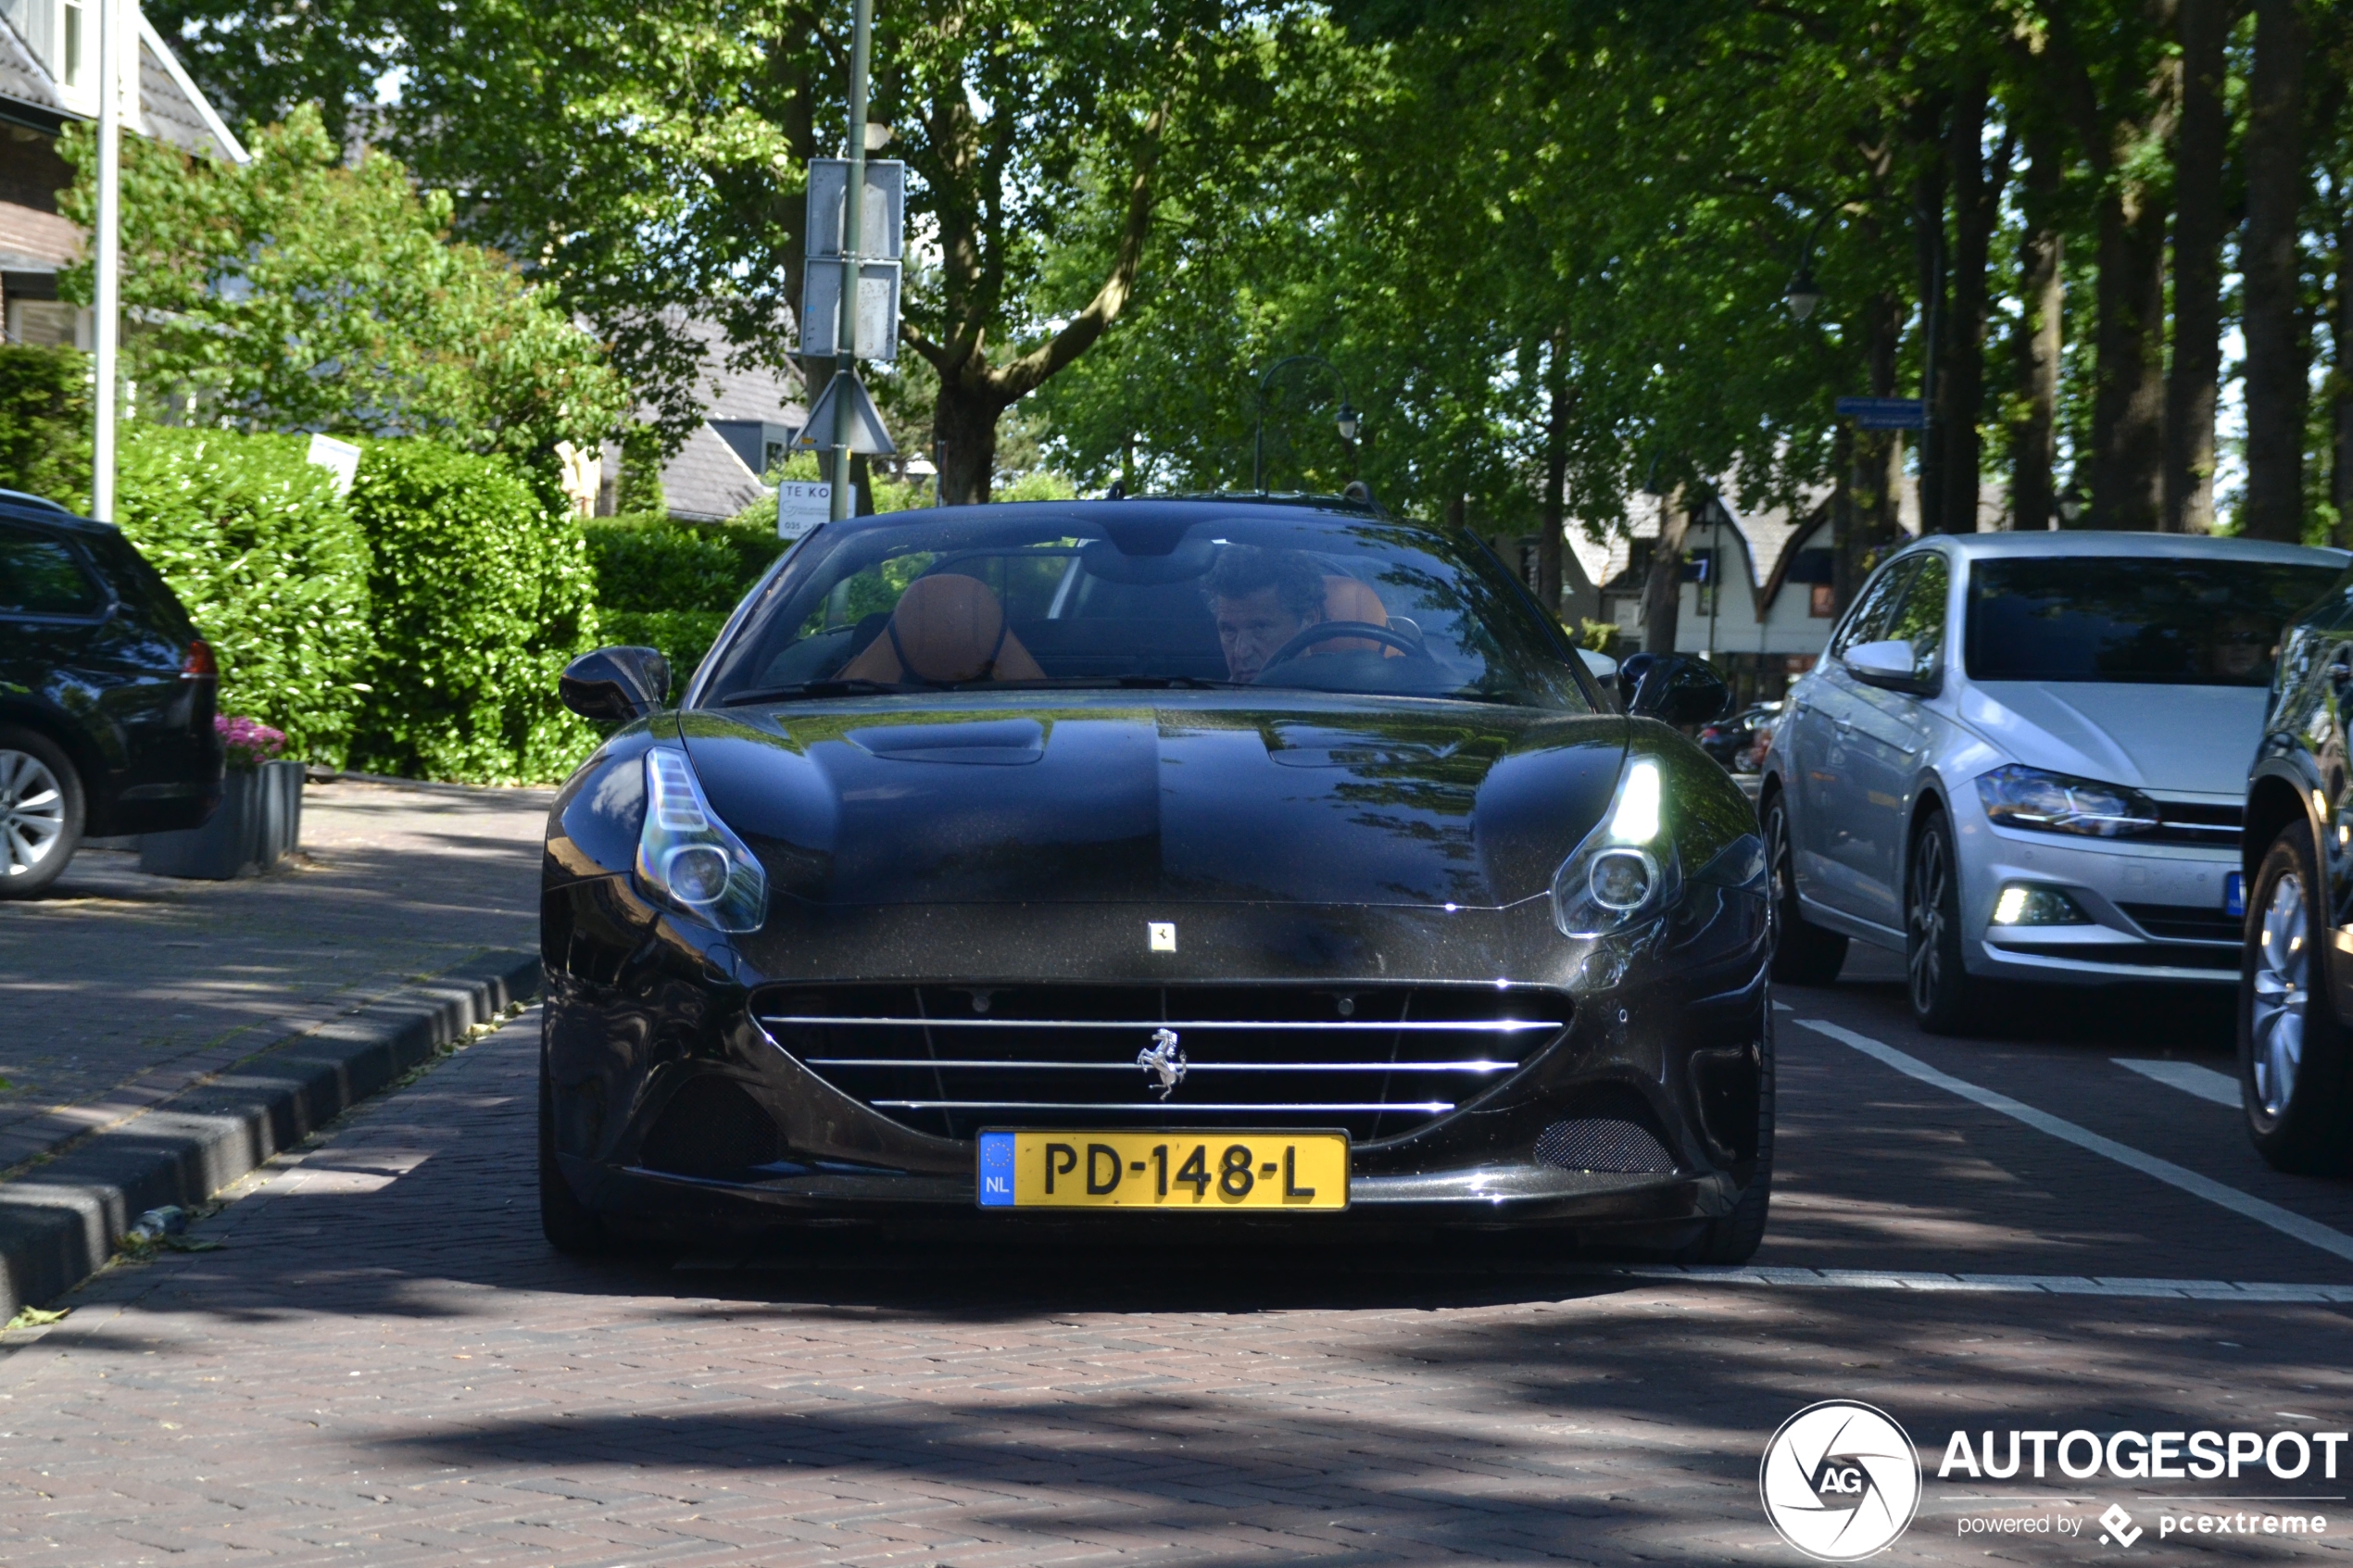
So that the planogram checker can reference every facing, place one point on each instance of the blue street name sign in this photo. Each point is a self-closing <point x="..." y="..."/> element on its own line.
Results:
<point x="1885" y="413"/>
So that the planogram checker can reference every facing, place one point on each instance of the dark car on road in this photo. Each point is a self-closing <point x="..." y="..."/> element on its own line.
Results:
<point x="106" y="694"/>
<point x="1175" y="865"/>
<point x="2296" y="975"/>
<point x="1738" y="743"/>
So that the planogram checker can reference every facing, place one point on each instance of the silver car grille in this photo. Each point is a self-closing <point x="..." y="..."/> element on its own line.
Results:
<point x="1378" y="1060"/>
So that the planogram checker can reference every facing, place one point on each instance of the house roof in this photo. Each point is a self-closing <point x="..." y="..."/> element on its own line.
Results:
<point x="707" y="481"/>
<point x="170" y="107"/>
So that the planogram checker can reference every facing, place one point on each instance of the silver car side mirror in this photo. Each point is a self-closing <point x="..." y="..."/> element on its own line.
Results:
<point x="1891" y="664"/>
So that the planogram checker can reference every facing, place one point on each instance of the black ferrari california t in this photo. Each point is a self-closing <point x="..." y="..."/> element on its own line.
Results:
<point x="1208" y="864"/>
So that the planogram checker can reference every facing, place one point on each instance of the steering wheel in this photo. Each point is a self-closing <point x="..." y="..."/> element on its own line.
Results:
<point x="1324" y="630"/>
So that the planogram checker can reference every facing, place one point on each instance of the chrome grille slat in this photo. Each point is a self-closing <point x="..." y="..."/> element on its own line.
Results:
<point x="1432" y="1107"/>
<point x="1129" y="1067"/>
<point x="1498" y="1026"/>
<point x="1377" y="1059"/>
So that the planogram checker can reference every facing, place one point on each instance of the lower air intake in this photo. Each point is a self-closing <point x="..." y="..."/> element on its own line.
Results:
<point x="711" y="1129"/>
<point x="1608" y="1144"/>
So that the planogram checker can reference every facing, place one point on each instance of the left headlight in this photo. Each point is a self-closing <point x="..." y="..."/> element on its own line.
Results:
<point x="688" y="858"/>
<point x="2018" y="797"/>
<point x="1625" y="872"/>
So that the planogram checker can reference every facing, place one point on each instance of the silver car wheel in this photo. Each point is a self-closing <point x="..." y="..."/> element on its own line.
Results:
<point x="2283" y="961"/>
<point x="1926" y="919"/>
<point x="32" y="813"/>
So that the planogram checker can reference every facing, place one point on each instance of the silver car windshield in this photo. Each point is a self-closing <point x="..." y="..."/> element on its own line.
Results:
<point x="2159" y="621"/>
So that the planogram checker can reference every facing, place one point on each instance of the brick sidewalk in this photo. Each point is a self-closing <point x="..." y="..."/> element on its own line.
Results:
<point x="117" y="987"/>
<point x="387" y="1367"/>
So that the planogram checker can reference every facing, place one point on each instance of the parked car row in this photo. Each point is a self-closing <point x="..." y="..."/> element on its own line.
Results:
<point x="106" y="694"/>
<point x="2027" y="758"/>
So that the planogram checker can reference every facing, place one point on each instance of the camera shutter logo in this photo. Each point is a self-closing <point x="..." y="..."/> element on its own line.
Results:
<point x="1840" y="1481"/>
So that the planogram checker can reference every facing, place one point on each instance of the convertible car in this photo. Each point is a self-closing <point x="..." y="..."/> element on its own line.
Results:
<point x="1190" y="866"/>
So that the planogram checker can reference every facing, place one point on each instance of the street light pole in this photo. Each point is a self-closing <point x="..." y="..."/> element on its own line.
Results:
<point x="1348" y="421"/>
<point x="107" y="306"/>
<point x="853" y="214"/>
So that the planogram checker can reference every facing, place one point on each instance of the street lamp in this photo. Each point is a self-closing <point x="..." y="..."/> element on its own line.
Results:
<point x="1804" y="295"/>
<point x="1349" y="422"/>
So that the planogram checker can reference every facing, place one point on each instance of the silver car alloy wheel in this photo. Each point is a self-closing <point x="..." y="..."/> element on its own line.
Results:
<point x="2283" y="961"/>
<point x="32" y="813"/>
<point x="1925" y="917"/>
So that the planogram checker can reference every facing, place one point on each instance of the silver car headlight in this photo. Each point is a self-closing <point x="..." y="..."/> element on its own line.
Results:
<point x="1625" y="873"/>
<point x="690" y="859"/>
<point x="2018" y="797"/>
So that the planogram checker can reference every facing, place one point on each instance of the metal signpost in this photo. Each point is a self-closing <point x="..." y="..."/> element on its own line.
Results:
<point x="850" y="299"/>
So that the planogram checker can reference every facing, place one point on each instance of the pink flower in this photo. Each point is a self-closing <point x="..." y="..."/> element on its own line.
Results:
<point x="248" y="742"/>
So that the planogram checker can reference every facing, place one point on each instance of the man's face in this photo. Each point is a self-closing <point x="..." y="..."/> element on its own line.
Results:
<point x="1251" y="629"/>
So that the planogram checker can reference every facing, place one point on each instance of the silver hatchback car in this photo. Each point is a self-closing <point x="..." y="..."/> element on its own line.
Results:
<point x="2023" y="756"/>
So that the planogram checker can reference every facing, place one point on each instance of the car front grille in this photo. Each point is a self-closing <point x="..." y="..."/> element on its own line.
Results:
<point x="2185" y="923"/>
<point x="1378" y="1060"/>
<point x="2216" y="827"/>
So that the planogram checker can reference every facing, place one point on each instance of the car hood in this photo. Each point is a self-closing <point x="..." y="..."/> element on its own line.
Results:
<point x="1206" y="798"/>
<point x="2191" y="740"/>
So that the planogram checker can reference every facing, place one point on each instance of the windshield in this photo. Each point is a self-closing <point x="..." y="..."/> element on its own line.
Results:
<point x="980" y="598"/>
<point x="2170" y="620"/>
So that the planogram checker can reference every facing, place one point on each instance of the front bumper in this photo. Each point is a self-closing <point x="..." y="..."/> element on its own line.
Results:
<point x="640" y="1005"/>
<point x="2156" y="910"/>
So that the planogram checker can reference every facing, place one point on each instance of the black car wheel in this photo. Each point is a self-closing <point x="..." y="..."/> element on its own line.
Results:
<point x="1945" y="999"/>
<point x="1735" y="1237"/>
<point x="1804" y="954"/>
<point x="567" y="1222"/>
<point x="41" y="813"/>
<point x="2293" y="1059"/>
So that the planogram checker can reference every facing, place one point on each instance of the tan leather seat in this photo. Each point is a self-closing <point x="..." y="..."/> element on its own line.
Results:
<point x="946" y="629"/>
<point x="1350" y="598"/>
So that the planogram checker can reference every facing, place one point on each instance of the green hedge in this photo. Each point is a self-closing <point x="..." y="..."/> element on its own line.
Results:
<point x="44" y="423"/>
<point x="482" y="593"/>
<point x="270" y="566"/>
<point x="670" y="585"/>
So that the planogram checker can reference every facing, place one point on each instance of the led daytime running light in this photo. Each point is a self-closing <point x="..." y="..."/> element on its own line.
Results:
<point x="687" y="858"/>
<point x="1626" y="872"/>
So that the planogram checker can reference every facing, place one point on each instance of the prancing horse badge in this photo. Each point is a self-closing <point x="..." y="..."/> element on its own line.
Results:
<point x="1161" y="935"/>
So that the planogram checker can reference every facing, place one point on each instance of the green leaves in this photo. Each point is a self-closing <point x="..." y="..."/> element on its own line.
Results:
<point x="296" y="292"/>
<point x="266" y="560"/>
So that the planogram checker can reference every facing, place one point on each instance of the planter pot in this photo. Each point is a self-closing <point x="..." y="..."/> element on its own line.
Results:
<point x="260" y="822"/>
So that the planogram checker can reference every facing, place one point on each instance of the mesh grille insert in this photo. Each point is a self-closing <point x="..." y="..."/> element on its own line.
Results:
<point x="1617" y="1145"/>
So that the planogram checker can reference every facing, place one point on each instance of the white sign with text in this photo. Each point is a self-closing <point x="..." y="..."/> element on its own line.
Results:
<point x="800" y="508"/>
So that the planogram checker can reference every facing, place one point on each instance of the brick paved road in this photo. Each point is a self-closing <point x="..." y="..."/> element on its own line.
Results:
<point x="114" y="976"/>
<point x="384" y="1365"/>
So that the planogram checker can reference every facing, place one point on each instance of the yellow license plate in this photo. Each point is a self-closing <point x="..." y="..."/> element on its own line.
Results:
<point x="1199" y="1172"/>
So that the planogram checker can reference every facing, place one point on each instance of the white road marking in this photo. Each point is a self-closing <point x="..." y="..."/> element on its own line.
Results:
<point x="2186" y="1076"/>
<point x="2286" y="1221"/>
<point x="1997" y="1284"/>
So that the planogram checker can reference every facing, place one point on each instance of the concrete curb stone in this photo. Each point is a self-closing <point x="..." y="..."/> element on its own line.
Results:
<point x="60" y="1219"/>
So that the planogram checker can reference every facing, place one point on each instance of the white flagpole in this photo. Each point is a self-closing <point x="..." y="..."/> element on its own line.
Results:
<point x="108" y="305"/>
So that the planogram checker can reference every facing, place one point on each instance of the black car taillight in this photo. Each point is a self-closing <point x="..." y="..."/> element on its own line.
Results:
<point x="199" y="665"/>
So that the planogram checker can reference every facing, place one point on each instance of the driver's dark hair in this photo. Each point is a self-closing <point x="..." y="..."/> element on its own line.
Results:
<point x="1244" y="570"/>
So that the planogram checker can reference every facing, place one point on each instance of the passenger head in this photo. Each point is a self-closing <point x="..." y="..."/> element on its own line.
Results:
<point x="2242" y="646"/>
<point x="1261" y="599"/>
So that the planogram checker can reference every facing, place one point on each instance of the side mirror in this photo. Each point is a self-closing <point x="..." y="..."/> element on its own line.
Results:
<point x="1892" y="664"/>
<point x="615" y="685"/>
<point x="1672" y="689"/>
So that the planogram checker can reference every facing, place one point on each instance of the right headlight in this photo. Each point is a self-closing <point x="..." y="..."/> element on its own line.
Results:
<point x="1625" y="872"/>
<point x="689" y="859"/>
<point x="2018" y="797"/>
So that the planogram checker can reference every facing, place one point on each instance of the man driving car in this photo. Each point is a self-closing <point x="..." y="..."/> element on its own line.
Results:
<point x="1261" y="599"/>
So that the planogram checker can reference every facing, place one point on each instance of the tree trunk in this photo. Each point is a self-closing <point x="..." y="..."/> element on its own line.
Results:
<point x="2036" y="344"/>
<point x="963" y="420"/>
<point x="1928" y="255"/>
<point x="2275" y="369"/>
<point x="1875" y="491"/>
<point x="2192" y="386"/>
<point x="1663" y="588"/>
<point x="2341" y="375"/>
<point x="1555" y="512"/>
<point x="2128" y="399"/>
<point x="1961" y="384"/>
